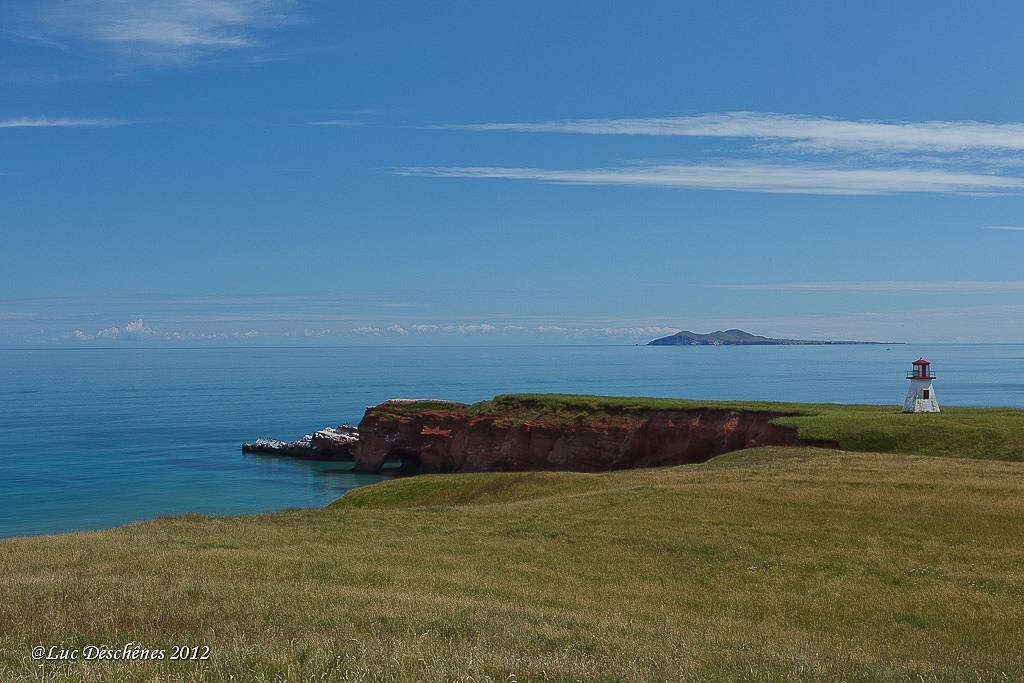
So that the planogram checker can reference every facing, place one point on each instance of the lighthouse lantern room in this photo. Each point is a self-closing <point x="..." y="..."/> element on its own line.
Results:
<point x="921" y="397"/>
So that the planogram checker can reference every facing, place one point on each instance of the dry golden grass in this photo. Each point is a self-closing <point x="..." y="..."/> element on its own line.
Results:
<point x="769" y="564"/>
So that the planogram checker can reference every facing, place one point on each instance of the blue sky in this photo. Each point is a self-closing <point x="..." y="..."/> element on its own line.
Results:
<point x="183" y="172"/>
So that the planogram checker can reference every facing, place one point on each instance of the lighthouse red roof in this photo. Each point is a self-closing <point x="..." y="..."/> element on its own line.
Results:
<point x="922" y="370"/>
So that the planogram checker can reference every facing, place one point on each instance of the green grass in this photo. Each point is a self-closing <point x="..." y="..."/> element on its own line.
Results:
<point x="770" y="564"/>
<point x="404" y="409"/>
<point x="983" y="433"/>
<point x="573" y="408"/>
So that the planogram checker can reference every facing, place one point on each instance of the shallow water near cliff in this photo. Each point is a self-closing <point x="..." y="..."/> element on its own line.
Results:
<point x="95" y="438"/>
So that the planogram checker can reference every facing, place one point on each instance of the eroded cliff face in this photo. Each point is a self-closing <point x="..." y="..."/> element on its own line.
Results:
<point x="448" y="439"/>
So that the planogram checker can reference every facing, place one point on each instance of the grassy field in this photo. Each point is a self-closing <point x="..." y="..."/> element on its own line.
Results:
<point x="769" y="564"/>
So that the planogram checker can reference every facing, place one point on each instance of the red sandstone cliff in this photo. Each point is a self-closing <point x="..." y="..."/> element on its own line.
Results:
<point x="447" y="438"/>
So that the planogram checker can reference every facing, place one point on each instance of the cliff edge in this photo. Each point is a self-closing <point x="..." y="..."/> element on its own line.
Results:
<point x="538" y="432"/>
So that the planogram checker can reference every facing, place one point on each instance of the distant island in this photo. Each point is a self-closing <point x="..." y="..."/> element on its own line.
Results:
<point x="739" y="338"/>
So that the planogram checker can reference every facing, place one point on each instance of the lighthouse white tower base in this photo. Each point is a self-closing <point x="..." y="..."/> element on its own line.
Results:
<point x="921" y="397"/>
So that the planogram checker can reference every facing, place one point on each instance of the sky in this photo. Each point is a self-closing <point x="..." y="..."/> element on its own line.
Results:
<point x="313" y="172"/>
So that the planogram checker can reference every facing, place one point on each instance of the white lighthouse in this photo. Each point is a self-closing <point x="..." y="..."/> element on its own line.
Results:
<point x="921" y="397"/>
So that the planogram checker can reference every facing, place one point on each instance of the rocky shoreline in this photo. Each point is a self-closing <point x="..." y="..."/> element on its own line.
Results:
<point x="330" y="443"/>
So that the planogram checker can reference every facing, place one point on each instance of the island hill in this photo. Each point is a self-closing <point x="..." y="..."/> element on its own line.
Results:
<point x="739" y="338"/>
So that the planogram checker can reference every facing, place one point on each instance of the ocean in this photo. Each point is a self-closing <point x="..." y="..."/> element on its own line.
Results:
<point x="97" y="438"/>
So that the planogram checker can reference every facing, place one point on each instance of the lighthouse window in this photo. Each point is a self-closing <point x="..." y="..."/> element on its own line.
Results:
<point x="924" y="394"/>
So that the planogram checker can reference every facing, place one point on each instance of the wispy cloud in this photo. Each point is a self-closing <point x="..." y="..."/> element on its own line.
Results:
<point x="789" y="153"/>
<point x="752" y="176"/>
<point x="45" y="122"/>
<point x="345" y="123"/>
<point x="1005" y="227"/>
<point x="159" y="31"/>
<point x="814" y="133"/>
<point x="886" y="287"/>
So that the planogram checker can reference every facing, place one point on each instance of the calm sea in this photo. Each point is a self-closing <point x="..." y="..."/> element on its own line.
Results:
<point x="97" y="438"/>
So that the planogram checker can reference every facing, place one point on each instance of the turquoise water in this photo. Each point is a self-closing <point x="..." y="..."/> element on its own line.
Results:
<point x="95" y="438"/>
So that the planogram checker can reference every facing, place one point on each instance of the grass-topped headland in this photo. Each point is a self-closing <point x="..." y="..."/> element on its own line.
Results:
<point x="986" y="433"/>
<point x="558" y="432"/>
